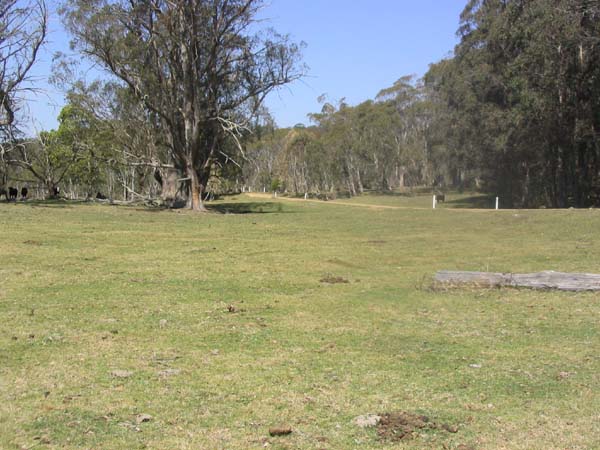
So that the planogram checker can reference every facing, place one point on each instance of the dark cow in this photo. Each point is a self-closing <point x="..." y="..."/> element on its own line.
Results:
<point x="55" y="191"/>
<point x="100" y="196"/>
<point x="440" y="198"/>
<point x="12" y="193"/>
<point x="24" y="192"/>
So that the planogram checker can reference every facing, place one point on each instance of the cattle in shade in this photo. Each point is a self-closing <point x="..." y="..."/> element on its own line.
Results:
<point x="13" y="193"/>
<point x="24" y="192"/>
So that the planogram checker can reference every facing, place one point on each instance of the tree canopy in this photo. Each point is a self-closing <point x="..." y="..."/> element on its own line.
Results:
<point x="515" y="111"/>
<point x="199" y="65"/>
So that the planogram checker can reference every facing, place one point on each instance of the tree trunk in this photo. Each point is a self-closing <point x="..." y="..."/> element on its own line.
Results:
<point x="50" y="186"/>
<point x="196" y="204"/>
<point x="541" y="280"/>
<point x="169" y="186"/>
<point x="198" y="181"/>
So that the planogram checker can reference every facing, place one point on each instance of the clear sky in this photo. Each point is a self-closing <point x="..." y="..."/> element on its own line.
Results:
<point x="354" y="48"/>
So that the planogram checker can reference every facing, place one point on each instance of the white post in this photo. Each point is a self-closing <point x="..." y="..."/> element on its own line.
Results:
<point x="434" y="202"/>
<point x="275" y="194"/>
<point x="264" y="189"/>
<point x="497" y="202"/>
<point x="306" y="196"/>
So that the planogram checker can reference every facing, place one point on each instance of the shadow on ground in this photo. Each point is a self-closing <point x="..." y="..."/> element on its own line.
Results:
<point x="473" y="202"/>
<point x="48" y="203"/>
<point x="247" y="208"/>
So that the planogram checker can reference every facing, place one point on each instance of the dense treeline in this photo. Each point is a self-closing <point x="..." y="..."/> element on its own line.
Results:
<point x="514" y="112"/>
<point x="379" y="144"/>
<point x="522" y="99"/>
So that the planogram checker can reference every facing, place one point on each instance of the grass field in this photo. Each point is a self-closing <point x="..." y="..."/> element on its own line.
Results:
<point x="220" y="326"/>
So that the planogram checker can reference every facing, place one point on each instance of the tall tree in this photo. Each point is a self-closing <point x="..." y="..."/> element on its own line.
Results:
<point x="523" y="99"/>
<point x="200" y="65"/>
<point x="23" y="28"/>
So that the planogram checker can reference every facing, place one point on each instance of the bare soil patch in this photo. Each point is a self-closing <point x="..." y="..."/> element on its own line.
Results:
<point x="398" y="426"/>
<point x="32" y="242"/>
<point x="330" y="279"/>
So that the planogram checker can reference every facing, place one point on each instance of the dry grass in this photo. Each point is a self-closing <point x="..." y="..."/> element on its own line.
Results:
<point x="88" y="290"/>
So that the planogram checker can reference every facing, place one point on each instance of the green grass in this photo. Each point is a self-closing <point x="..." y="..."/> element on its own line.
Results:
<point x="88" y="289"/>
<point x="421" y="200"/>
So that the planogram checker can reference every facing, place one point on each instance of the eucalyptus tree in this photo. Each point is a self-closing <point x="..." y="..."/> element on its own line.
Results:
<point x="202" y="66"/>
<point x="132" y="144"/>
<point x="23" y="28"/>
<point x="53" y="155"/>
<point x="523" y="99"/>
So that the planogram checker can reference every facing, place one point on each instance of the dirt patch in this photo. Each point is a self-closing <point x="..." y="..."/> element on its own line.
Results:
<point x="330" y="279"/>
<point x="35" y="243"/>
<point x="398" y="426"/>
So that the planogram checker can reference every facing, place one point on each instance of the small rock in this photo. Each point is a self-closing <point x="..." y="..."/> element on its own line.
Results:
<point x="366" y="421"/>
<point x="280" y="431"/>
<point x="214" y="352"/>
<point x="121" y="373"/>
<point x="475" y="366"/>
<point x="162" y="323"/>
<point x="563" y="375"/>
<point x="141" y="418"/>
<point x="450" y="428"/>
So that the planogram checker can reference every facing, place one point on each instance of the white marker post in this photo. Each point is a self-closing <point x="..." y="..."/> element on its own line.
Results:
<point x="306" y="196"/>
<point x="434" y="202"/>
<point x="497" y="203"/>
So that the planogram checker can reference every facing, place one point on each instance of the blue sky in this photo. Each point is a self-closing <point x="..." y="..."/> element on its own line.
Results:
<point x="354" y="48"/>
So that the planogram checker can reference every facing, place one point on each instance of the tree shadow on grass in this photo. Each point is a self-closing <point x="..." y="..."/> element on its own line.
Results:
<point x="219" y="208"/>
<point x="53" y="204"/>
<point x="247" y="208"/>
<point x="414" y="192"/>
<point x="473" y="202"/>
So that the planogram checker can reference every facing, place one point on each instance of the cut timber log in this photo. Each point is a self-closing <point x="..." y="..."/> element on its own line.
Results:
<point x="541" y="280"/>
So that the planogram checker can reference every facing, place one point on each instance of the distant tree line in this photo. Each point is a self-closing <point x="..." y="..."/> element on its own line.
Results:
<point x="514" y="112"/>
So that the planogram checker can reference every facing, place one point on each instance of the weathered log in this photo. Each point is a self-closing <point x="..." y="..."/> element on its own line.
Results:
<point x="541" y="280"/>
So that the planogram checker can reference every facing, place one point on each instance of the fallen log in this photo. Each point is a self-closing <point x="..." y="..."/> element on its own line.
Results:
<point x="540" y="280"/>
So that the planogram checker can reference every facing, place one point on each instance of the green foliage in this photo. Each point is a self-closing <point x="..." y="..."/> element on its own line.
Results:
<point x="275" y="184"/>
<point x="200" y="66"/>
<point x="522" y="100"/>
<point x="376" y="145"/>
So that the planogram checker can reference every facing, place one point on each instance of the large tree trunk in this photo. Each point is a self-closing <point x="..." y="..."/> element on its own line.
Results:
<point x="196" y="192"/>
<point x="50" y="187"/>
<point x="169" y="180"/>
